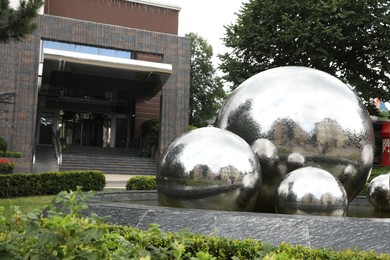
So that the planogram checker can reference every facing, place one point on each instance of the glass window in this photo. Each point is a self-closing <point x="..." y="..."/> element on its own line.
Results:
<point x="87" y="49"/>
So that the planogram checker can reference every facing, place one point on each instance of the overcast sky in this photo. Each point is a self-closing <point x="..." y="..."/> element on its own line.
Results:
<point x="207" y="18"/>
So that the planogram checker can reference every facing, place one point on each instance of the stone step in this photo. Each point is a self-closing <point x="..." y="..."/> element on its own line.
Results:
<point x="107" y="160"/>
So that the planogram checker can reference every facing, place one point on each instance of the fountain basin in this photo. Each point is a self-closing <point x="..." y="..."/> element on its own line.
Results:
<point x="338" y="233"/>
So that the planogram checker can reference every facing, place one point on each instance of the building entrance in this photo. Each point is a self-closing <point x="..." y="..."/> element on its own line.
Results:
<point x="93" y="93"/>
<point x="85" y="129"/>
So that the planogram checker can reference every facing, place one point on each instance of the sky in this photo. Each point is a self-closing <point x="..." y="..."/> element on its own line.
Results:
<point x="207" y="18"/>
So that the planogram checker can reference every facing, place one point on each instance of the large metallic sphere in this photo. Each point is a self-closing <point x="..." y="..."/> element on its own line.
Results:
<point x="379" y="192"/>
<point x="309" y="118"/>
<point x="209" y="168"/>
<point x="311" y="191"/>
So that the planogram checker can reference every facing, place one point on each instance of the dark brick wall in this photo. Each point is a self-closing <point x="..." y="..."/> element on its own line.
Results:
<point x="18" y="75"/>
<point x="118" y="12"/>
<point x="19" y="67"/>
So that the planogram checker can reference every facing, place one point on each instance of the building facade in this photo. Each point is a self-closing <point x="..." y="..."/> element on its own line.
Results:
<point x="92" y="73"/>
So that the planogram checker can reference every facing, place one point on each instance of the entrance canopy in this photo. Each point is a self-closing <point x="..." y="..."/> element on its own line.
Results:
<point x="142" y="78"/>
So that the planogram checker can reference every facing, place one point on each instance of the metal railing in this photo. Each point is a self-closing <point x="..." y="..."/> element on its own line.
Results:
<point x="57" y="148"/>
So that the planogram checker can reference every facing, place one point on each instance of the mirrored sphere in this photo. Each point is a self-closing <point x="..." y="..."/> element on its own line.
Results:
<point x="209" y="168"/>
<point x="309" y="118"/>
<point x="379" y="192"/>
<point x="311" y="191"/>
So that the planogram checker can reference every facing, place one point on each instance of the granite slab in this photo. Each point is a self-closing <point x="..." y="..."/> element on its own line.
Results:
<point x="312" y="231"/>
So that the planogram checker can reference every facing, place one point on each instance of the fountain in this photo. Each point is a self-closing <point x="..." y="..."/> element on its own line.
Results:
<point x="311" y="153"/>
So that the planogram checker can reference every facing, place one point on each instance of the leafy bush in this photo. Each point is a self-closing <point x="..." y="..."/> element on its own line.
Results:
<point x="144" y="153"/>
<point x="6" y="164"/>
<point x="3" y="144"/>
<point x="141" y="183"/>
<point x="47" y="183"/>
<point x="150" y="127"/>
<point x="62" y="234"/>
<point x="9" y="154"/>
<point x="65" y="233"/>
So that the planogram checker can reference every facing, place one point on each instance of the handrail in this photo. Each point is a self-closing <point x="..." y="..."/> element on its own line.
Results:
<point x="57" y="148"/>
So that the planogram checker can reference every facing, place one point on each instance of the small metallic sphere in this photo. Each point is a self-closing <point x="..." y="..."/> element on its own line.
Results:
<point x="379" y="192"/>
<point x="209" y="168"/>
<point x="311" y="191"/>
<point x="310" y="118"/>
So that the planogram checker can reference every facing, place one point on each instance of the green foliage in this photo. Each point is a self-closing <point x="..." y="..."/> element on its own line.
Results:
<point x="141" y="183"/>
<point x="6" y="164"/>
<point x="206" y="89"/>
<point x="348" y="39"/>
<point x="64" y="232"/>
<point x="17" y="24"/>
<point x="30" y="184"/>
<point x="150" y="127"/>
<point x="144" y="153"/>
<point x="9" y="154"/>
<point x="150" y="130"/>
<point x="3" y="145"/>
<point x="191" y="127"/>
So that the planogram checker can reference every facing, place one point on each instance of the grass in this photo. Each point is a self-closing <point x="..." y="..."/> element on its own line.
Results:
<point x="26" y="204"/>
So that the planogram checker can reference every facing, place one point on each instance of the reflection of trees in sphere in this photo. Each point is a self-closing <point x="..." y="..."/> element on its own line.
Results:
<point x="209" y="168"/>
<point x="379" y="192"/>
<point x="310" y="117"/>
<point x="313" y="191"/>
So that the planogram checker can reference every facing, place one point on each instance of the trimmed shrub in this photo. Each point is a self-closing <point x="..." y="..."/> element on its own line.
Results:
<point x="48" y="183"/>
<point x="141" y="183"/>
<point x="9" y="154"/>
<point x="3" y="144"/>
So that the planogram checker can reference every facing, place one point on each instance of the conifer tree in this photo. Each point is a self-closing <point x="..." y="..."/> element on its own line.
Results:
<point x="16" y="24"/>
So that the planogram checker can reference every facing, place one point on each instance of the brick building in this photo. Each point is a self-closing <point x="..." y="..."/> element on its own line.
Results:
<point x="91" y="73"/>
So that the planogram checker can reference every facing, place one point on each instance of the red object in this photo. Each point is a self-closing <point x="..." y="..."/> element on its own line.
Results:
<point x="385" y="134"/>
<point x="385" y="131"/>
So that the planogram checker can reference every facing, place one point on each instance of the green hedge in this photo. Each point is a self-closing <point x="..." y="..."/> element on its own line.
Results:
<point x="9" y="154"/>
<point x="47" y="183"/>
<point x="65" y="233"/>
<point x="141" y="183"/>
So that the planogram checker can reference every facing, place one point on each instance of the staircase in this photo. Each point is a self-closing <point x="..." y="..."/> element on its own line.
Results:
<point x="107" y="160"/>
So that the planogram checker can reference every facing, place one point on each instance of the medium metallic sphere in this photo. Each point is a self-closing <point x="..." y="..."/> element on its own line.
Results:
<point x="309" y="118"/>
<point x="379" y="192"/>
<point x="311" y="191"/>
<point x="209" y="168"/>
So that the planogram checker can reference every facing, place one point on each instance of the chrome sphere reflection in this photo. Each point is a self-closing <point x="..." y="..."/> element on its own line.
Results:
<point x="209" y="168"/>
<point x="379" y="192"/>
<point x="309" y="118"/>
<point x="311" y="191"/>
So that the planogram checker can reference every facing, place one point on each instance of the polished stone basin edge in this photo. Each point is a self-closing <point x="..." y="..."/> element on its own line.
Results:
<point x="311" y="231"/>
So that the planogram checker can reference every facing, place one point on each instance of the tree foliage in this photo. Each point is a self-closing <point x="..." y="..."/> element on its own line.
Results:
<point x="16" y="24"/>
<point x="206" y="89"/>
<point x="348" y="39"/>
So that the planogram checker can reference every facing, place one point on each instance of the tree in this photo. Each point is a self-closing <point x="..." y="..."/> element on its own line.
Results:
<point x="206" y="89"/>
<point x="15" y="24"/>
<point x="348" y="39"/>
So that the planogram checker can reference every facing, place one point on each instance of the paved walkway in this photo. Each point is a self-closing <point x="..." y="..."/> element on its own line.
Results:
<point x="116" y="181"/>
